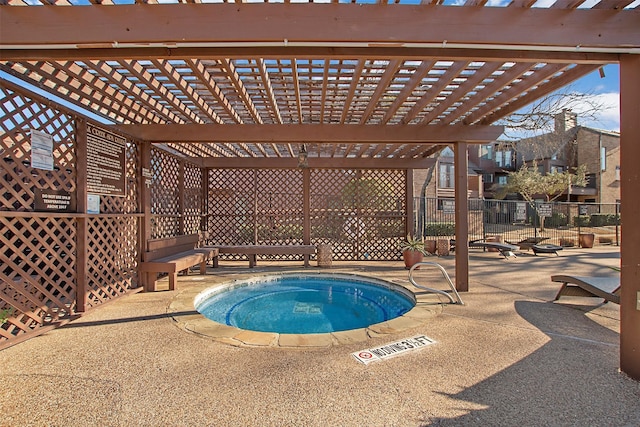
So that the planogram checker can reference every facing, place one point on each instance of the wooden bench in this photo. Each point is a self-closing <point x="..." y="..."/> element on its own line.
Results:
<point x="599" y="287"/>
<point x="251" y="251"/>
<point x="172" y="255"/>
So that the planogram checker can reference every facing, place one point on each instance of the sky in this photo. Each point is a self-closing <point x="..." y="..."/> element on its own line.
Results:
<point x="607" y="91"/>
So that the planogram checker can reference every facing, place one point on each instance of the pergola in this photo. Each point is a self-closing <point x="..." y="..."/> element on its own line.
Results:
<point x="346" y="84"/>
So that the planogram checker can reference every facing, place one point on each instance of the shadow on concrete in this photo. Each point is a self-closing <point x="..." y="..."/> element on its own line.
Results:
<point x="581" y="386"/>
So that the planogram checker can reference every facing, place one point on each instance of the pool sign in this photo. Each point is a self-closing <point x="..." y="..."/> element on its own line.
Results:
<point x="392" y="349"/>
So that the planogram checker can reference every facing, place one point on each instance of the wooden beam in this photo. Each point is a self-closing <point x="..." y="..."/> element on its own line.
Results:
<point x="461" y="216"/>
<point x="293" y="133"/>
<point x="630" y="188"/>
<point x="327" y="24"/>
<point x="314" y="162"/>
<point x="374" y="52"/>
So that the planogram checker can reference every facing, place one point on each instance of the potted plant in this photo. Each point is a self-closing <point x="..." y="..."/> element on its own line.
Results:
<point x="412" y="251"/>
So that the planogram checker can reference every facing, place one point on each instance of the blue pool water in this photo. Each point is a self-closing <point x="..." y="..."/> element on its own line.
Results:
<point x="301" y="304"/>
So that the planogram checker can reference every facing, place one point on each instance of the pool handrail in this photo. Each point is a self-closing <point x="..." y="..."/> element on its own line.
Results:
<point x="437" y="291"/>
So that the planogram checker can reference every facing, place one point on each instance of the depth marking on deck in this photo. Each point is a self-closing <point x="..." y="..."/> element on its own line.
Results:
<point x="392" y="349"/>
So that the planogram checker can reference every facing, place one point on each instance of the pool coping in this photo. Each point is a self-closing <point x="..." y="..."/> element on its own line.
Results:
<point x="181" y="309"/>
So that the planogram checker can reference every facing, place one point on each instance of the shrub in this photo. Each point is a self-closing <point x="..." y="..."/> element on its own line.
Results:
<point x="557" y="219"/>
<point x="440" y="229"/>
<point x="581" y="221"/>
<point x="599" y="220"/>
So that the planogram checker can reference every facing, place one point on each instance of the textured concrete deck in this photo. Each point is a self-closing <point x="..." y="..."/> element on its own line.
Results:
<point x="509" y="357"/>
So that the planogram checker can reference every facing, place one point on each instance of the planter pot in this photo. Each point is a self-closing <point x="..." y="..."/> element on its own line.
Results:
<point x="443" y="247"/>
<point x="493" y="239"/>
<point x="430" y="246"/>
<point x="586" y="240"/>
<point x="411" y="258"/>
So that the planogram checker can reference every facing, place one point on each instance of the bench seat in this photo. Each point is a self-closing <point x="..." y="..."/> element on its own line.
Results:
<point x="253" y="250"/>
<point x="173" y="255"/>
<point x="599" y="287"/>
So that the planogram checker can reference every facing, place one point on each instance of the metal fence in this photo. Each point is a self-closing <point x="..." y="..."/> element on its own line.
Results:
<point x="560" y="223"/>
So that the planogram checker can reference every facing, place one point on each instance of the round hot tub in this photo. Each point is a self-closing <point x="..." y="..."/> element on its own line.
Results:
<point x="304" y="303"/>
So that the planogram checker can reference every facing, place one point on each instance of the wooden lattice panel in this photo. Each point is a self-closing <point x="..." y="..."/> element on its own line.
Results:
<point x="37" y="273"/>
<point x="192" y="199"/>
<point x="360" y="213"/>
<point x="18" y="179"/>
<point x="112" y="255"/>
<point x="231" y="207"/>
<point x="165" y="195"/>
<point x="128" y="203"/>
<point x="279" y="209"/>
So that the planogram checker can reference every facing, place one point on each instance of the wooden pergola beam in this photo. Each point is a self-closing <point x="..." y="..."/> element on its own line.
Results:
<point x="336" y="25"/>
<point x="314" y="162"/>
<point x="374" y="52"/>
<point x="294" y="133"/>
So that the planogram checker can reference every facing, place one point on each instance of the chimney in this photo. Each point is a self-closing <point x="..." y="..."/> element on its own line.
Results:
<point x="565" y="121"/>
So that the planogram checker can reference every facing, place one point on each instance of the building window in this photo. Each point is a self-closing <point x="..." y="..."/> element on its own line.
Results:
<point x="499" y="158"/>
<point x="507" y="158"/>
<point x="486" y="152"/>
<point x="487" y="177"/>
<point x="557" y="169"/>
<point x="502" y="179"/>
<point x="446" y="175"/>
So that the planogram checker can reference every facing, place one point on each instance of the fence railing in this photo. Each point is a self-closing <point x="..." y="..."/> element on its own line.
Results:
<point x="559" y="223"/>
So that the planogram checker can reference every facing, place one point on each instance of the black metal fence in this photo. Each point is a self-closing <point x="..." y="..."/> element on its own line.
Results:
<point x="560" y="223"/>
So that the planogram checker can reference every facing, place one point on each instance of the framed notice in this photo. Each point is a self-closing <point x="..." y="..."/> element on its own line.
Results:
<point x="544" y="210"/>
<point x="521" y="211"/>
<point x="93" y="204"/>
<point x="46" y="200"/>
<point x="41" y="150"/>
<point x="106" y="156"/>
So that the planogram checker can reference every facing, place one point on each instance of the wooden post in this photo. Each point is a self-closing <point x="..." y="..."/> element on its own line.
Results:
<point x="181" y="189"/>
<point x="461" y="185"/>
<point x="82" y="251"/>
<point x="144" y="206"/>
<point x="306" y="205"/>
<point x="630" y="211"/>
<point x="204" y="207"/>
<point x="409" y="199"/>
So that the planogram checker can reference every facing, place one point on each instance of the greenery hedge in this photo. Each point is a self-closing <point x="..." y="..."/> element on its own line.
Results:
<point x="440" y="229"/>
<point x="596" y="220"/>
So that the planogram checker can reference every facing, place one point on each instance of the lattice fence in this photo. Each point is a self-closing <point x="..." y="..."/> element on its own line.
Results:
<point x="361" y="213"/>
<point x="37" y="272"/>
<point x="176" y="196"/>
<point x="40" y="251"/>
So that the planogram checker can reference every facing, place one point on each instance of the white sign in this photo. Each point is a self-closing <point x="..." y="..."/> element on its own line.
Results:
<point x="93" y="203"/>
<point x="41" y="150"/>
<point x="521" y="211"/>
<point x="544" y="209"/>
<point x="392" y="349"/>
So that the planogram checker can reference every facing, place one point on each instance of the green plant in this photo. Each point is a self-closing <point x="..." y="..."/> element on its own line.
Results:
<point x="440" y="229"/>
<point x="4" y="314"/>
<point x="413" y="244"/>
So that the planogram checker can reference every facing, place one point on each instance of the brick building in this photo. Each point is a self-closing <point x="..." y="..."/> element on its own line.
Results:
<point x="567" y="147"/>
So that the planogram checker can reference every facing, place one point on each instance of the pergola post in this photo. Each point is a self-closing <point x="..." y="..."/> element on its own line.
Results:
<point x="461" y="187"/>
<point x="409" y="201"/>
<point x="81" y="207"/>
<point x="630" y="188"/>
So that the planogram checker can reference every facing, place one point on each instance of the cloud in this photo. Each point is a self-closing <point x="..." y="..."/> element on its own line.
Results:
<point x="608" y="117"/>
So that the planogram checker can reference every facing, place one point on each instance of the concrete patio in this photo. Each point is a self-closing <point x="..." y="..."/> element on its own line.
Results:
<point x="508" y="357"/>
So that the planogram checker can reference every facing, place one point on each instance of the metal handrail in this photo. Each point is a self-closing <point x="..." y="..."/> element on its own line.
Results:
<point x="437" y="291"/>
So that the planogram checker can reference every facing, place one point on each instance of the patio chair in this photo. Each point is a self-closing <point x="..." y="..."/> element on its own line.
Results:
<point x="599" y="287"/>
